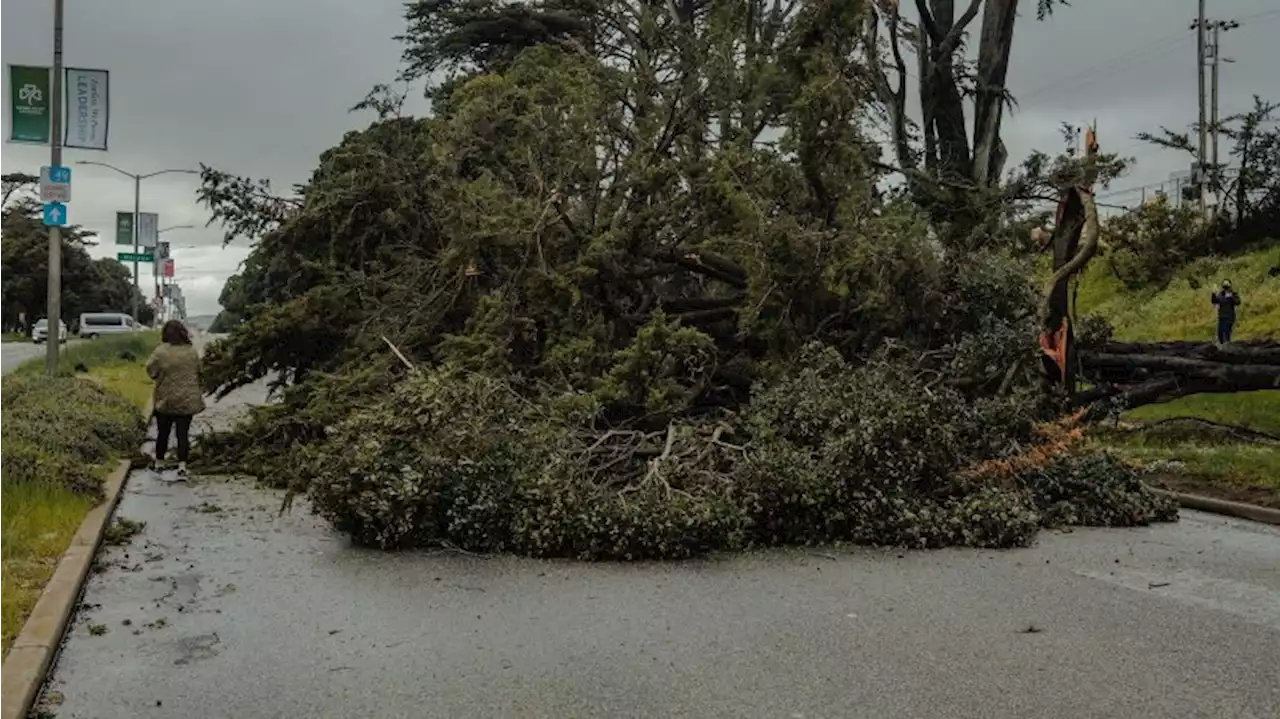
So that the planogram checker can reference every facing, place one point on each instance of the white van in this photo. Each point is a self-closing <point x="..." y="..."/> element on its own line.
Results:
<point x="94" y="324"/>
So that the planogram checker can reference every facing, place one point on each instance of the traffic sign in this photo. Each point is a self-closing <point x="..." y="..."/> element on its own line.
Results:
<point x="55" y="183"/>
<point x="135" y="257"/>
<point x="55" y="214"/>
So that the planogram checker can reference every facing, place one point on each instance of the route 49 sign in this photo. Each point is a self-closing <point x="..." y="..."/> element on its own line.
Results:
<point x="55" y="184"/>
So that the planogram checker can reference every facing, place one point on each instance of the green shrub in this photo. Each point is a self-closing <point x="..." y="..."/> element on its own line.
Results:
<point x="826" y="452"/>
<point x="1095" y="489"/>
<point x="59" y="430"/>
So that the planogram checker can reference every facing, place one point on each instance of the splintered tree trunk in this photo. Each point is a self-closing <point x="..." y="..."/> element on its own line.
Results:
<point x="1057" y="335"/>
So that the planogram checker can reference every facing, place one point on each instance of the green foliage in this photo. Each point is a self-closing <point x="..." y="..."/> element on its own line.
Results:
<point x="98" y="352"/>
<point x="825" y="453"/>
<point x="1151" y="243"/>
<point x="60" y="430"/>
<point x="631" y="324"/>
<point x="1095" y="489"/>
<point x="89" y="285"/>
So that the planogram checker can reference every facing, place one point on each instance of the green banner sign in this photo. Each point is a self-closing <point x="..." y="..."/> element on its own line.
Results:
<point x="135" y="257"/>
<point x="124" y="228"/>
<point x="29" y="100"/>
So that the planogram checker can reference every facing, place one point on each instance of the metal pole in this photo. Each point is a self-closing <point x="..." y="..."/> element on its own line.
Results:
<point x="1217" y="54"/>
<point x="137" y="220"/>
<point x="54" y="299"/>
<point x="1202" y="153"/>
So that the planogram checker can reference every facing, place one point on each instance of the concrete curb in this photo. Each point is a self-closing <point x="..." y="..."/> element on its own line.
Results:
<point x="1265" y="515"/>
<point x="35" y="647"/>
<point x="32" y="652"/>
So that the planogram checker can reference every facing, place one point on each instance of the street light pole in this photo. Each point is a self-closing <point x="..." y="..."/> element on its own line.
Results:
<point x="137" y="221"/>
<point x="53" y="309"/>
<point x="137" y="218"/>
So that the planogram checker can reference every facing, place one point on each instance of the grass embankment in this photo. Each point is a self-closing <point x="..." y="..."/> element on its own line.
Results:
<point x="14" y="337"/>
<point x="61" y="437"/>
<point x="1212" y="462"/>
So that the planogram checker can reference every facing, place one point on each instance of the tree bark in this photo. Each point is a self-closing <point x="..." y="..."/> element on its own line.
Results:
<point x="993" y="66"/>
<point x="1140" y="373"/>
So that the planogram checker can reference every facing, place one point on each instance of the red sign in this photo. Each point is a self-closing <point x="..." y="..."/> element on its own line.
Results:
<point x="168" y="268"/>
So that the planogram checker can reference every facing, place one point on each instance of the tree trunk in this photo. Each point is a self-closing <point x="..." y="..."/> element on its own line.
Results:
<point x="1135" y="374"/>
<point x="993" y="66"/>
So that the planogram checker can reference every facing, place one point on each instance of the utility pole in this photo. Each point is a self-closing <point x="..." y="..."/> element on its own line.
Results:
<point x="1203" y="127"/>
<point x="53" y="311"/>
<point x="1218" y="27"/>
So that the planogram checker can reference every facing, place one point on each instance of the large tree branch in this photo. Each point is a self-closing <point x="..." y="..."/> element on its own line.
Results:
<point x="952" y="41"/>
<point x="993" y="67"/>
<point x="927" y="22"/>
<point x="894" y="99"/>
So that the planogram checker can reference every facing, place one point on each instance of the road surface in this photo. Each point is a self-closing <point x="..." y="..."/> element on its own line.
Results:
<point x="13" y="354"/>
<point x="222" y="608"/>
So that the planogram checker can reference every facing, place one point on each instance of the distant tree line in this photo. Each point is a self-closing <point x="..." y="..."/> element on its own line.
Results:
<point x="88" y="284"/>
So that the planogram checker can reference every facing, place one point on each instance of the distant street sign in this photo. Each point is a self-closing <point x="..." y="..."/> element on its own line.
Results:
<point x="55" y="214"/>
<point x="55" y="184"/>
<point x="135" y="257"/>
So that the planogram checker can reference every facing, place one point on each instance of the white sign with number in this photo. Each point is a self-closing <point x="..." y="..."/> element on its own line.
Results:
<point x="55" y="188"/>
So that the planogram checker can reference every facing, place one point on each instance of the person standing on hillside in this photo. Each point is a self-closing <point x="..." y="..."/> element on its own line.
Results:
<point x="175" y="367"/>
<point x="1227" y="301"/>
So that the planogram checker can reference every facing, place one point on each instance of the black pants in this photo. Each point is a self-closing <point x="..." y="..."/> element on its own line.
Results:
<point x="181" y="422"/>
<point x="1225" y="325"/>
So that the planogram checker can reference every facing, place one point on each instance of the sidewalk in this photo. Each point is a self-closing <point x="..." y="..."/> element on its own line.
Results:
<point x="221" y="608"/>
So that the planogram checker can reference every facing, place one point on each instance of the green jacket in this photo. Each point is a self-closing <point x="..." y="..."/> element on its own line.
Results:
<point x="176" y="371"/>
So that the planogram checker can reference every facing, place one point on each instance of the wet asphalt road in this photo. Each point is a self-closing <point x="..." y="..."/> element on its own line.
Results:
<point x="221" y="608"/>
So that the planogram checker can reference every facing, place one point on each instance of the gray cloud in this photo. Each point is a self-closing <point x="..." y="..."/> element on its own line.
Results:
<point x="260" y="88"/>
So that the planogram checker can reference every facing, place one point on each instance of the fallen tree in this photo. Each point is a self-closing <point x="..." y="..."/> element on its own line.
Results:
<point x="1134" y="374"/>
<point x="587" y="309"/>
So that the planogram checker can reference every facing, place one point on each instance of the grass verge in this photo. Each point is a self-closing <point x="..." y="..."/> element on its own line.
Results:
<point x="1193" y="458"/>
<point x="61" y="436"/>
<point x="14" y="337"/>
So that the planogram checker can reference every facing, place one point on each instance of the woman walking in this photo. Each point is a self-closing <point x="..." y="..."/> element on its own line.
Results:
<point x="175" y="367"/>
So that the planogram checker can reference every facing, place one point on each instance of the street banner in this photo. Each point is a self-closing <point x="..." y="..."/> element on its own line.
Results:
<point x="29" y="101"/>
<point x="148" y="229"/>
<point x="168" y="268"/>
<point x="148" y="226"/>
<point x="124" y="228"/>
<point x="88" y="109"/>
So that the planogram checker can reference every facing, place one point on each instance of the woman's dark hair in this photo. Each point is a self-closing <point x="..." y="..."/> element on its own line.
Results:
<point x="175" y="333"/>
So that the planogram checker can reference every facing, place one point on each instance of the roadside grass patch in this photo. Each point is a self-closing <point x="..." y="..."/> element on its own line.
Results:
<point x="1255" y="410"/>
<point x="131" y="348"/>
<point x="1185" y="457"/>
<point x="39" y="521"/>
<point x="60" y="438"/>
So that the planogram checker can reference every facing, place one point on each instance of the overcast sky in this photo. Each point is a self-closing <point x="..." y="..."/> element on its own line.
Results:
<point x="261" y="87"/>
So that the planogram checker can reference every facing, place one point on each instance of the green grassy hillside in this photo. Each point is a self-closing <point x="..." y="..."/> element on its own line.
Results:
<point x="1182" y="311"/>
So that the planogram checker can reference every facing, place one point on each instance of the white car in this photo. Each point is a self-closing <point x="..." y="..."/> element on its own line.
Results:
<point x="96" y="324"/>
<point x="40" y="332"/>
